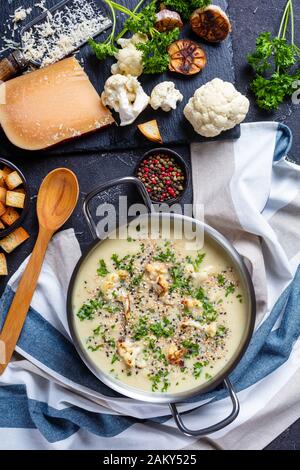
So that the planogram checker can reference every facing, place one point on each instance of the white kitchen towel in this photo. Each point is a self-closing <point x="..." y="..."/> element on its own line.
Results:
<point x="49" y="400"/>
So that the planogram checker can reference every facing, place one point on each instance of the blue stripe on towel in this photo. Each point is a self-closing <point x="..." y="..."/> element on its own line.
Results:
<point x="55" y="425"/>
<point x="284" y="141"/>
<point x="14" y="410"/>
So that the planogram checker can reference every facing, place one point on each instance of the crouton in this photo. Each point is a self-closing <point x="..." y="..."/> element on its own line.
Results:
<point x="7" y="170"/>
<point x="2" y="208"/>
<point x="13" y="180"/>
<point x="3" y="265"/>
<point x="13" y="240"/>
<point x="3" y="195"/>
<point x="2" y="179"/>
<point x="10" y="216"/>
<point x="14" y="199"/>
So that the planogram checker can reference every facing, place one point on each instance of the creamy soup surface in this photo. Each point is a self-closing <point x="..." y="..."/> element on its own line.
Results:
<point x="157" y="316"/>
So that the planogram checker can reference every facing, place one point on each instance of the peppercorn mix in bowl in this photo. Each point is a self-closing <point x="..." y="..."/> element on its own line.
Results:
<point x="164" y="174"/>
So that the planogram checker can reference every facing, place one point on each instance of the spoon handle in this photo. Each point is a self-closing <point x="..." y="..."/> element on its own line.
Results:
<point x="19" y="308"/>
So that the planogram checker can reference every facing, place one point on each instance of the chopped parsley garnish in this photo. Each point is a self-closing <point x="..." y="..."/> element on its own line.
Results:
<point x="102" y="269"/>
<point x="161" y="329"/>
<point x="167" y="256"/>
<point x="136" y="280"/>
<point x="111" y="342"/>
<point x="209" y="311"/>
<point x="166" y="386"/>
<point x="179" y="281"/>
<point x="140" y="329"/>
<point x="158" y="354"/>
<point x="226" y="284"/>
<point x="198" y="366"/>
<point x="208" y="376"/>
<point x="192" y="348"/>
<point x="240" y="298"/>
<point x="97" y="330"/>
<point x="156" y="379"/>
<point x="123" y="264"/>
<point x="198" y="261"/>
<point x="221" y="280"/>
<point x="115" y="358"/>
<point x="230" y="289"/>
<point x="88" y="310"/>
<point x="112" y="308"/>
<point x="95" y="348"/>
<point x="221" y="331"/>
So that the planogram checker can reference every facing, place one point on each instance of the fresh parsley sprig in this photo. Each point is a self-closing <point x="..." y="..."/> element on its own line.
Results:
<point x="186" y="7"/>
<point x="276" y="64"/>
<point x="154" y="52"/>
<point x="106" y="48"/>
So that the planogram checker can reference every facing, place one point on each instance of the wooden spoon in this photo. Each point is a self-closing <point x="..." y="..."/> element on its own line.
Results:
<point x="57" y="199"/>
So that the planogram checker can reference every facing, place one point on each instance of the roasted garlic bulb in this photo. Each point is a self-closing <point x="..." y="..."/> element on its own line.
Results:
<point x="186" y="57"/>
<point x="211" y="23"/>
<point x="167" y="20"/>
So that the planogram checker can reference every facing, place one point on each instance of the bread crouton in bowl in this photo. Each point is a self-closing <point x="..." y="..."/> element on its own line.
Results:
<point x="14" y="198"/>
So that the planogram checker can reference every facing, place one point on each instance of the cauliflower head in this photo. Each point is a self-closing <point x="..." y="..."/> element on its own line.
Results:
<point x="216" y="107"/>
<point x="165" y="96"/>
<point x="129" y="57"/>
<point x="126" y="96"/>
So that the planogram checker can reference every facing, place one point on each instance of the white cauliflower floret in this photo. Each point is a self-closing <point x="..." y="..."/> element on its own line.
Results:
<point x="126" y="96"/>
<point x="216" y="107"/>
<point x="203" y="275"/>
<point x="129" y="57"/>
<point x="131" y="354"/>
<point x="155" y="269"/>
<point x="109" y="283"/>
<point x="165" y="96"/>
<point x="209" y="329"/>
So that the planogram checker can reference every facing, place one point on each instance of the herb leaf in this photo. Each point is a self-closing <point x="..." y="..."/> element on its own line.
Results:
<point x="186" y="7"/>
<point x="102" y="269"/>
<point x="155" y="55"/>
<point x="273" y="62"/>
<point x="209" y="311"/>
<point x="162" y="329"/>
<point x="88" y="310"/>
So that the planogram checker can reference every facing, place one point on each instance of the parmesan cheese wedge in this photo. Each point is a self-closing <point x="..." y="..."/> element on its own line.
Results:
<point x="51" y="105"/>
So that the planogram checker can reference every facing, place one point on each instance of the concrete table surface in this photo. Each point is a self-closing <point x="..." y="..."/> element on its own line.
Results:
<point x="249" y="17"/>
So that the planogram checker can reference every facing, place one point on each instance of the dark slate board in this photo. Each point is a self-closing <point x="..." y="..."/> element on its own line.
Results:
<point x="174" y="127"/>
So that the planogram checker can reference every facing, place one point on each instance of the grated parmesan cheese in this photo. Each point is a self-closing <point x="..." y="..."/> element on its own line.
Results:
<point x="59" y="34"/>
<point x="20" y="14"/>
<point x="62" y="32"/>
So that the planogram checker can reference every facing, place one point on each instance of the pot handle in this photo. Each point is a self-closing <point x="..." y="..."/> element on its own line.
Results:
<point x="215" y="427"/>
<point x="104" y="187"/>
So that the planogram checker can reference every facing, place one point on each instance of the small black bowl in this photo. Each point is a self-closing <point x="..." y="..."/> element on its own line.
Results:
<point x="8" y="230"/>
<point x="179" y="160"/>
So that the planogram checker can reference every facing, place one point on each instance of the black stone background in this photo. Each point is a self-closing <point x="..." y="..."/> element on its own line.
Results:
<point x="249" y="18"/>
